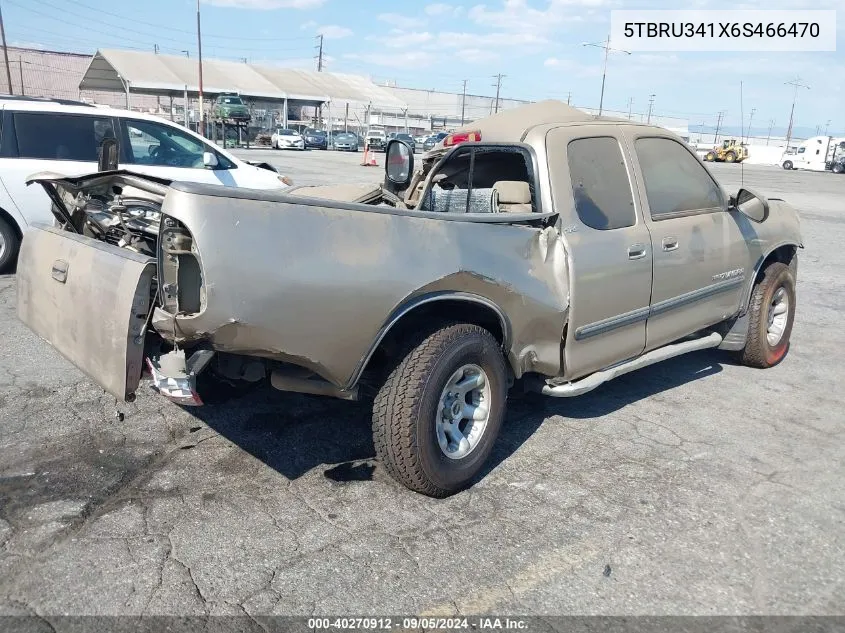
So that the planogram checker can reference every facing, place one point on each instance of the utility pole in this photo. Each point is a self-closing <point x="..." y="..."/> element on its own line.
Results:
<point x="20" y="68"/>
<point x="5" y="53"/>
<point x="796" y="83"/>
<point x="750" y="119"/>
<point x="498" y="79"/>
<point x="718" y="125"/>
<point x="199" y="52"/>
<point x="155" y="49"/>
<point x="630" y="103"/>
<point x="187" y="53"/>
<point x="320" y="54"/>
<point x="464" y="102"/>
<point x="607" y="49"/>
<point x="568" y="97"/>
<point x="769" y="135"/>
<point x="650" y="106"/>
<point x="826" y="125"/>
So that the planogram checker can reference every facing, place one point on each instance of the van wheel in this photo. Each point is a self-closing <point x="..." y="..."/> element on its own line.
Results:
<point x="771" y="315"/>
<point x="439" y="412"/>
<point x="9" y="246"/>
<point x="787" y="164"/>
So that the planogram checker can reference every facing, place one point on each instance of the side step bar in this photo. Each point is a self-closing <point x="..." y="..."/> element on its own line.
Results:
<point x="655" y="356"/>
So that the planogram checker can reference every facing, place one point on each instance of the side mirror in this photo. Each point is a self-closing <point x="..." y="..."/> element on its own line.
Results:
<point x="398" y="166"/>
<point x="751" y="204"/>
<point x="209" y="159"/>
<point x="107" y="156"/>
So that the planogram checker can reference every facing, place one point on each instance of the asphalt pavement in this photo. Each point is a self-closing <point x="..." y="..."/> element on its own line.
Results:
<point x="692" y="487"/>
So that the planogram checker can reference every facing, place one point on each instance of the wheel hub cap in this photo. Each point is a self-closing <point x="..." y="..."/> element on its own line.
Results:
<point x="777" y="317"/>
<point x="463" y="411"/>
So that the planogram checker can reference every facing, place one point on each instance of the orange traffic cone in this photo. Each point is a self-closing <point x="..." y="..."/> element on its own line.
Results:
<point x="369" y="158"/>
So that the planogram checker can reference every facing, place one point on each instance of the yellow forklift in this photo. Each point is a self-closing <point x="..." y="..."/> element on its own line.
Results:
<point x="730" y="151"/>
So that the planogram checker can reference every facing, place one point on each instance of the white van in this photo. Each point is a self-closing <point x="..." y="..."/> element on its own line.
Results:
<point x="39" y="135"/>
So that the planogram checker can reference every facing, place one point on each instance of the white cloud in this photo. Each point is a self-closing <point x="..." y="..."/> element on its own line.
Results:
<point x="310" y="24"/>
<point x="267" y="4"/>
<point x="552" y="62"/>
<point x="400" y="21"/>
<point x="334" y="32"/>
<point x="517" y="16"/>
<point x="441" y="9"/>
<point x="476" y="55"/>
<point x="417" y="59"/>
<point x="403" y="39"/>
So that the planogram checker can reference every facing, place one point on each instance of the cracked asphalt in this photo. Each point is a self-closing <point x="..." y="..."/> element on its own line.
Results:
<point x="691" y="487"/>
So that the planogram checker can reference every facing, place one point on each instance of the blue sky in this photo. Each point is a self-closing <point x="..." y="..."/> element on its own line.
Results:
<point x="536" y="44"/>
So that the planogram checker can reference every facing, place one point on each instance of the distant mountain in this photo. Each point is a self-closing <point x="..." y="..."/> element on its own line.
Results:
<point x="735" y="130"/>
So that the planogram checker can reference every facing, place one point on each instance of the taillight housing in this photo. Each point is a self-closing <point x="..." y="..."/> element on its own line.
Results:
<point x="461" y="137"/>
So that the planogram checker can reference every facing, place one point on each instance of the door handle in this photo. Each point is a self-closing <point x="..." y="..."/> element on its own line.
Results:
<point x="636" y="251"/>
<point x="59" y="271"/>
<point x="670" y="243"/>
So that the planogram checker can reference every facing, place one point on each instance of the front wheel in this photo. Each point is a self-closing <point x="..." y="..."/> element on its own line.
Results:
<point x="771" y="315"/>
<point x="710" y="157"/>
<point x="9" y="245"/>
<point x="787" y="164"/>
<point x="838" y="168"/>
<point x="439" y="412"/>
<point x="730" y="157"/>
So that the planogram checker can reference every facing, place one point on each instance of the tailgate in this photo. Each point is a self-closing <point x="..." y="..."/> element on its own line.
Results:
<point x="89" y="300"/>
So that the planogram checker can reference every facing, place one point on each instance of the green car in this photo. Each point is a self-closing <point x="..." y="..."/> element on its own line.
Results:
<point x="230" y="106"/>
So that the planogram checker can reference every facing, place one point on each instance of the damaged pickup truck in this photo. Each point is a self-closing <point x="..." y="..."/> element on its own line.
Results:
<point x="540" y="247"/>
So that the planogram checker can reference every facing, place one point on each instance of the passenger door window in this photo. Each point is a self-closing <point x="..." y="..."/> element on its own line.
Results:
<point x="600" y="183"/>
<point x="51" y="136"/>
<point x="676" y="183"/>
<point x="161" y="145"/>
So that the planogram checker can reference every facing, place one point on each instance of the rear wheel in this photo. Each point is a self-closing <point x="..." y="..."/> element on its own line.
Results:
<point x="710" y="157"/>
<point x="730" y="157"/>
<point x="787" y="164"/>
<point x="9" y="245"/>
<point x="838" y="168"/>
<point x="437" y="415"/>
<point x="771" y="315"/>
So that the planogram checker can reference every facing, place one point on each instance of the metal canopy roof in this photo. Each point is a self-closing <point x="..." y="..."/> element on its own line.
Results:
<point x="151" y="73"/>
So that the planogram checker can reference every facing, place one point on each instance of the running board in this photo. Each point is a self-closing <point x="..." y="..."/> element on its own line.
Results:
<point x="655" y="356"/>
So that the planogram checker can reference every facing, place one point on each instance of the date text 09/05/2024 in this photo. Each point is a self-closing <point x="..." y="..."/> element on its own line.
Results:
<point x="428" y="623"/>
<point x="721" y="29"/>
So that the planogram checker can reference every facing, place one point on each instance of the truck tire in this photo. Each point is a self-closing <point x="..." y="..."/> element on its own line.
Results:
<point x="710" y="157"/>
<point x="771" y="315"/>
<point x="787" y="164"/>
<point x="730" y="157"/>
<point x="421" y="428"/>
<point x="9" y="245"/>
<point x="838" y="168"/>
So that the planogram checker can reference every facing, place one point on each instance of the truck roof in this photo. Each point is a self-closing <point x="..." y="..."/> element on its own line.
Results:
<point x="511" y="126"/>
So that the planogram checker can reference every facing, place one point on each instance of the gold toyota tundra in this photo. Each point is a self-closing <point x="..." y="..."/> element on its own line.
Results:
<point x="539" y="246"/>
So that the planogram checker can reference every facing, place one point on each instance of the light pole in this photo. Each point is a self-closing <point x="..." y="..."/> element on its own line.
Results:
<point x="750" y="119"/>
<point x="769" y="135"/>
<point x="797" y="84"/>
<point x="826" y="127"/>
<point x="650" y="106"/>
<point x="199" y="51"/>
<point x="20" y="64"/>
<point x="607" y="49"/>
<point x="718" y="125"/>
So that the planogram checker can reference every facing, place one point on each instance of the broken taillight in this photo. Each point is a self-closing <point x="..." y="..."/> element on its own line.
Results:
<point x="461" y="137"/>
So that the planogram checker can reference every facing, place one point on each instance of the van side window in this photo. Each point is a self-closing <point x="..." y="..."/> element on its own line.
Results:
<point x="483" y="179"/>
<point x="600" y="183"/>
<point x="54" y="136"/>
<point x="676" y="183"/>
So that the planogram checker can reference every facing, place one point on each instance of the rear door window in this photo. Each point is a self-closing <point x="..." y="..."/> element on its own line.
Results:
<point x="600" y="183"/>
<point x="52" y="136"/>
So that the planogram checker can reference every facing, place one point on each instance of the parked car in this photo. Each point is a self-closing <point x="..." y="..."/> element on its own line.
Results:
<point x="419" y="140"/>
<point x="345" y="141"/>
<point x="230" y="106"/>
<point x="376" y="140"/>
<point x="285" y="138"/>
<point x="408" y="140"/>
<point x="433" y="140"/>
<point x="318" y="139"/>
<point x="62" y="136"/>
<point x="541" y="248"/>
